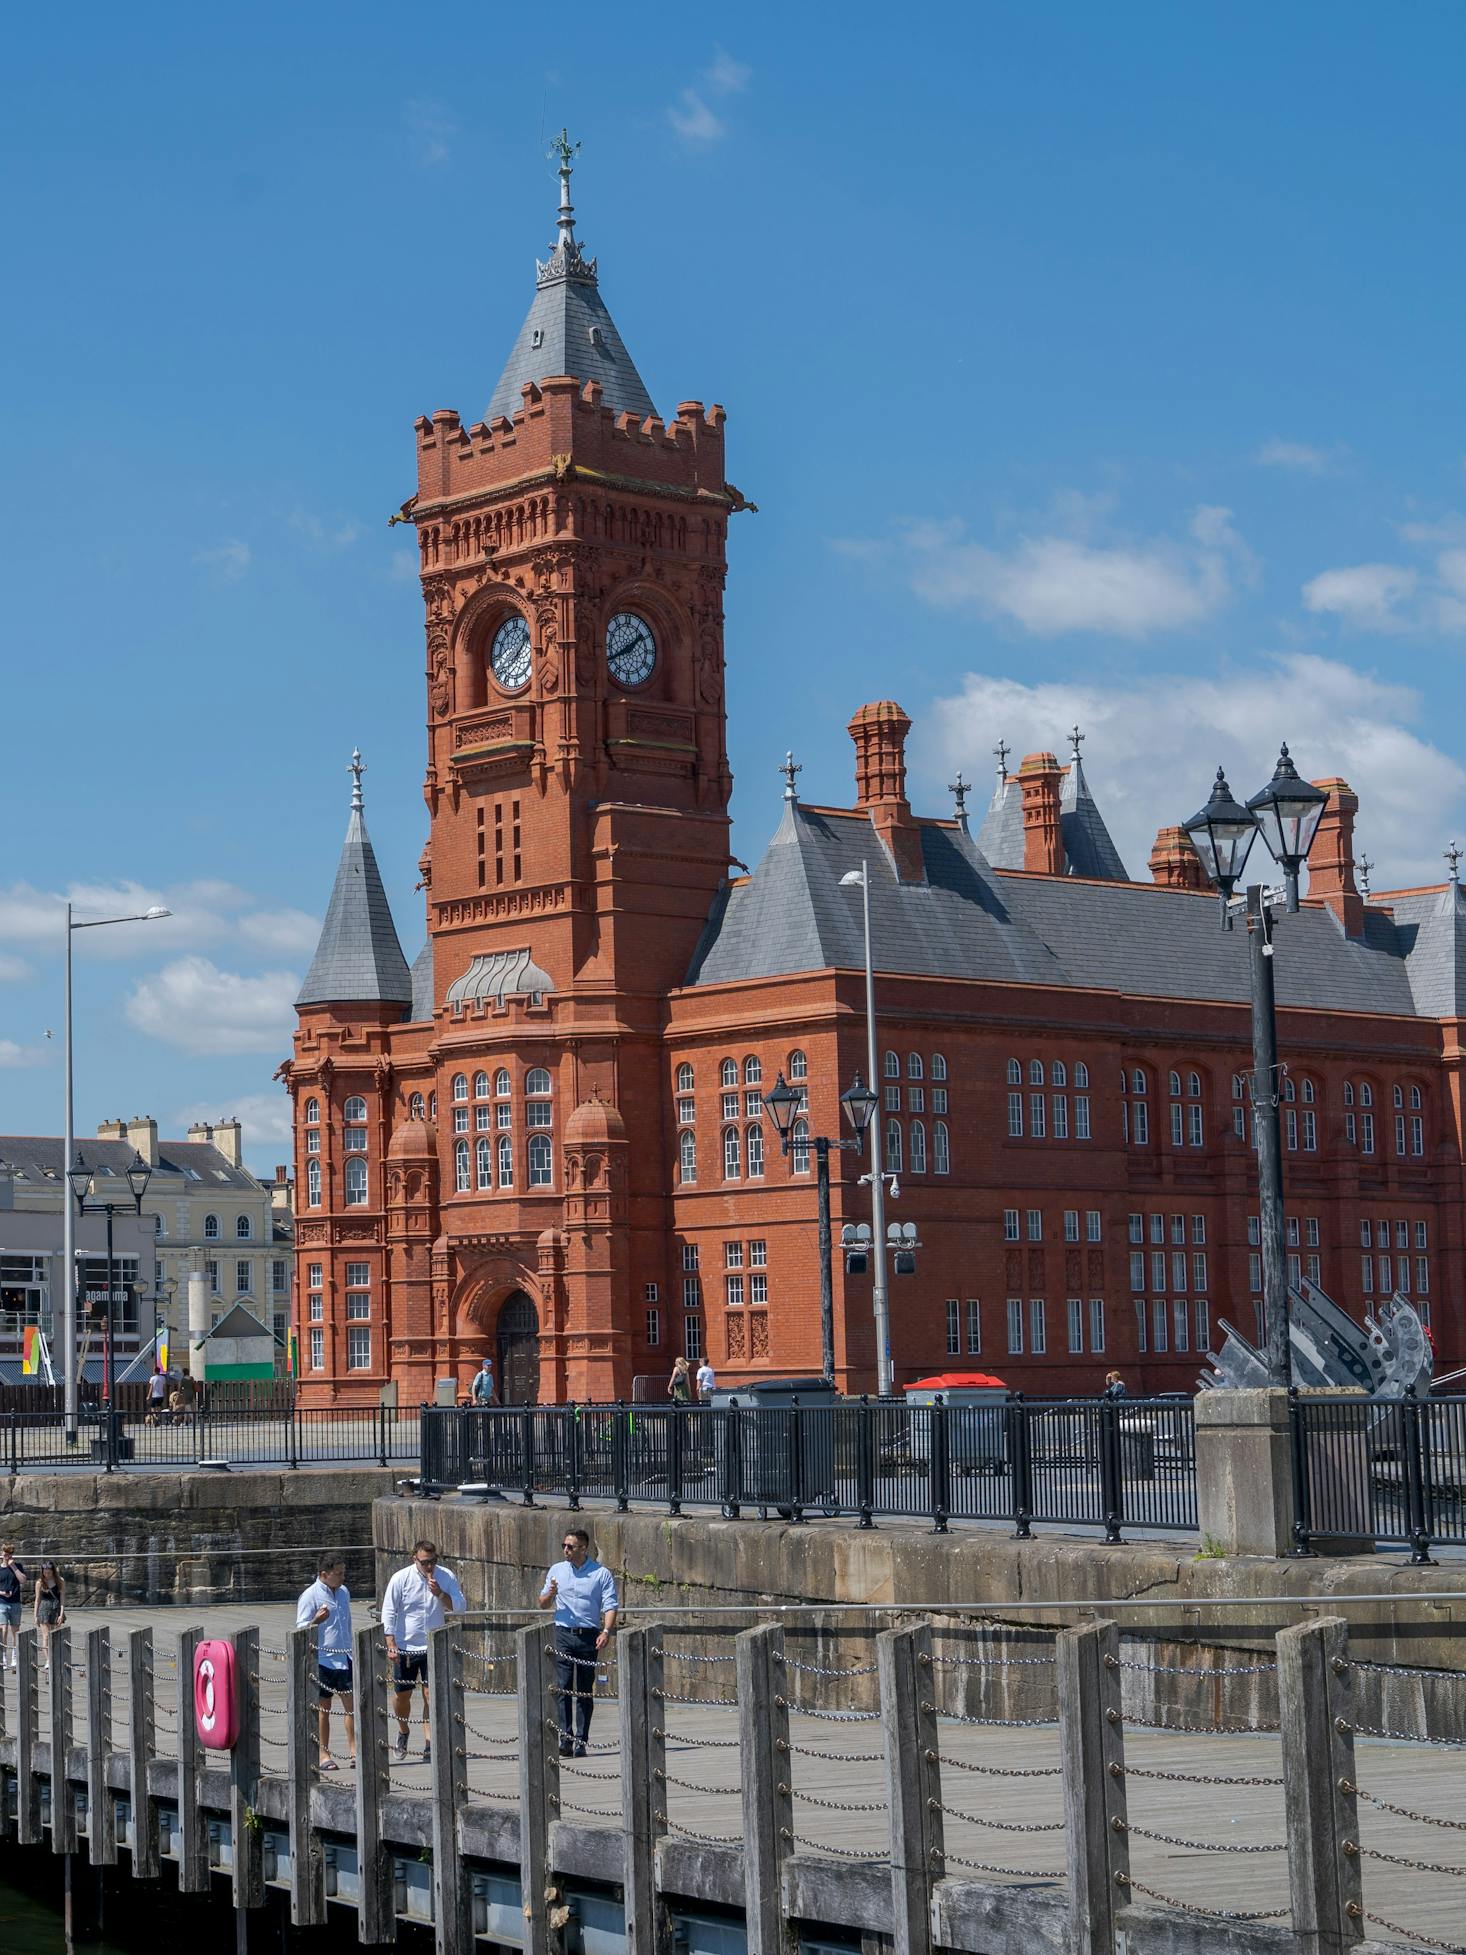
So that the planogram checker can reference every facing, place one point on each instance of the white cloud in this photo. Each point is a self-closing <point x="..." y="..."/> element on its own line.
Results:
<point x="265" y="1117"/>
<point x="1335" y="719"/>
<point x="431" y="126"/>
<point x="1370" y="596"/>
<point x="1062" y="579"/>
<point x="1300" y="457"/>
<point x="725" y="76"/>
<point x="227" y="561"/>
<point x="204" y="911"/>
<point x="693" y="120"/>
<point x="194" y="1006"/>
<point x="13" y="969"/>
<point x="324" y="535"/>
<point x="290" y="931"/>
<point x="13" y="1055"/>
<point x="1428" y="597"/>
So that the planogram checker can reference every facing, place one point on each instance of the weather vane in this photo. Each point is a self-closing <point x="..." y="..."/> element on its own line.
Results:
<point x="356" y="769"/>
<point x="1453" y="856"/>
<point x="789" y="770"/>
<point x="1002" y="750"/>
<point x="958" y="789"/>
<point x="1365" y="868"/>
<point x="1076" y="739"/>
<point x="566" y="150"/>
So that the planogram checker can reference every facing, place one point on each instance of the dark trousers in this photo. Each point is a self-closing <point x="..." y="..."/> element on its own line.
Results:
<point x="575" y="1675"/>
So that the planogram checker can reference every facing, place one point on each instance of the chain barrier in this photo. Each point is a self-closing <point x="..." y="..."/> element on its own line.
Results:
<point x="1204" y="1846"/>
<point x="838" y="1757"/>
<point x="1008" y="1723"/>
<point x="1194" y="1670"/>
<point x="591" y="1812"/>
<point x="693" y="1785"/>
<point x="487" y="1737"/>
<point x="839" y="1852"/>
<point x="1205" y="1730"/>
<point x="819" y="1670"/>
<point x="1416" y="1866"/>
<point x="690" y="1656"/>
<point x="1207" y="1913"/>
<point x="1403" y="1812"/>
<point x="1407" y="1737"/>
<point x="1196" y="1778"/>
<point x="992" y="1867"/>
<point x="494" y="1757"/>
<point x="1003" y="1825"/>
<point x="1415" y="1934"/>
<point x="991" y="1662"/>
<point x="714" y="1744"/>
<point x="843" y="1805"/>
<point x="705" y="1839"/>
<point x="837" y="1717"/>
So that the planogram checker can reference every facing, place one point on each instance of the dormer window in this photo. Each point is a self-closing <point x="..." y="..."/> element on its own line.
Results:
<point x="537" y="338"/>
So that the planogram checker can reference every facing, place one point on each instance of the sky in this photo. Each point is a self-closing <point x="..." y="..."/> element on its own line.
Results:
<point x="1094" y="365"/>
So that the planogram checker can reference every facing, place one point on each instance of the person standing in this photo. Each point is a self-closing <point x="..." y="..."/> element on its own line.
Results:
<point x="418" y="1600"/>
<point x="326" y="1607"/>
<point x="483" y="1392"/>
<point x="12" y="1583"/>
<point x="50" y="1605"/>
<point x="679" y="1385"/>
<point x="707" y="1380"/>
<point x="1114" y="1386"/>
<point x="583" y="1595"/>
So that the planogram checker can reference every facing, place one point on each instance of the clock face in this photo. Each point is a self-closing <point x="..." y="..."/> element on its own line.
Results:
<point x="509" y="655"/>
<point x="631" y="650"/>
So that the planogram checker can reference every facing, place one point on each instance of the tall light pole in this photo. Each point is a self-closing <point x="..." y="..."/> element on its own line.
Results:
<point x="1286" y="814"/>
<point x="880" y="1301"/>
<point x="68" y="1226"/>
<point x="84" y="1187"/>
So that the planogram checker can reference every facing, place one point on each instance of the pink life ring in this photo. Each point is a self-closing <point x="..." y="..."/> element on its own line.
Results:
<point x="215" y="1699"/>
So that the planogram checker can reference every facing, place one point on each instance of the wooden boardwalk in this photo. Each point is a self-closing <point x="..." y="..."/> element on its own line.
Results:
<point x="1205" y="1809"/>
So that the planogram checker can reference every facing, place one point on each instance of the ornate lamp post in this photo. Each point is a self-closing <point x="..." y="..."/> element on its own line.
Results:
<point x="1286" y="814"/>
<point x="83" y="1188"/>
<point x="858" y="1103"/>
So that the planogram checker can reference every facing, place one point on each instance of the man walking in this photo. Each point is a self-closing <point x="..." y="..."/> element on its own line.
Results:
<point x="326" y="1607"/>
<point x="12" y="1577"/>
<point x="157" y="1397"/>
<point x="418" y="1600"/>
<point x="483" y="1384"/>
<point x="707" y="1381"/>
<point x="583" y="1595"/>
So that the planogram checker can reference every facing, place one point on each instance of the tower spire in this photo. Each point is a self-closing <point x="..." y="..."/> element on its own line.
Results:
<point x="356" y="769"/>
<point x="565" y="220"/>
<point x="1002" y="751"/>
<point x="791" y="770"/>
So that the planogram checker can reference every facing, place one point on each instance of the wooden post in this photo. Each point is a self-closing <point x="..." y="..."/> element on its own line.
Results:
<point x="193" y="1837"/>
<point x="244" y="1773"/>
<point x="303" y="1751"/>
<point x="643" y="1785"/>
<point x="27" y="1790"/>
<point x="914" y="1779"/>
<point x="452" y="1898"/>
<point x="63" y="1799"/>
<point x="141" y="1743"/>
<point x="1092" y="1755"/>
<point x="768" y="1806"/>
<point x="539" y="1784"/>
<point x="1316" y="1713"/>
<point x="376" y="1918"/>
<point x="101" y="1813"/>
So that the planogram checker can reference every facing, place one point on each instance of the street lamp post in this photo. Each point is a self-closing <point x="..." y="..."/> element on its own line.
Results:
<point x="1286" y="814"/>
<point x="880" y="1298"/>
<point x="859" y="1103"/>
<point x="83" y="1188"/>
<point x="68" y="1226"/>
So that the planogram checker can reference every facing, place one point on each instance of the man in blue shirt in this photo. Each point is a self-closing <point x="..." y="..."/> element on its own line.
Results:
<point x="326" y="1607"/>
<point x="583" y="1595"/>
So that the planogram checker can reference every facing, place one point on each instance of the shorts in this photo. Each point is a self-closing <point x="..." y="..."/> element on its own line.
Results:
<point x="335" y="1680"/>
<point x="411" y="1667"/>
<point x="48" y="1611"/>
<point x="9" y="1615"/>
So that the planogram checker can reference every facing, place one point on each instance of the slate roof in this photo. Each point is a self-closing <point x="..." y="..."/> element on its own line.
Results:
<point x="39" y="1158"/>
<point x="240" y="1322"/>
<point x="495" y="975"/>
<point x="358" y="959"/>
<point x="422" y="983"/>
<point x="1088" y="849"/>
<point x="791" y="915"/>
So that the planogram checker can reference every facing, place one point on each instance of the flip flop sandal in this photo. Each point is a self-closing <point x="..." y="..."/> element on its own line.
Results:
<point x="329" y="1765"/>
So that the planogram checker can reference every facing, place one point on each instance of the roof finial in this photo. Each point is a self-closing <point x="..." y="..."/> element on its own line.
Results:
<point x="566" y="151"/>
<point x="789" y="770"/>
<point x="356" y="770"/>
<point x="1076" y="739"/>
<point x="1002" y="750"/>
<point x="1453" y="856"/>
<point x="958" y="790"/>
<point x="1365" y="869"/>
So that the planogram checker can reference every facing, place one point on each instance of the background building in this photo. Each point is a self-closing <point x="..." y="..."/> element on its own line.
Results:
<point x="547" y="1138"/>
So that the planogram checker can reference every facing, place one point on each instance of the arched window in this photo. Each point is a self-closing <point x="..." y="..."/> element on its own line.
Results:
<point x="939" y="1066"/>
<point x="914" y="1067"/>
<point x="313" y="1183"/>
<point x="799" y="1146"/>
<point x="755" y="1145"/>
<point x="687" y="1159"/>
<point x="798" y="1065"/>
<point x="1058" y="1073"/>
<point x="480" y="1086"/>
<point x="941" y="1149"/>
<point x="356" y="1182"/>
<point x="891" y="1065"/>
<point x="484" y="1156"/>
<point x="918" y="1147"/>
<point x="893" y="1147"/>
<point x="1309" y="1092"/>
<point x="1015" y="1073"/>
<point x="1175" y="1086"/>
<point x="432" y="1106"/>
<point x="1035" y="1072"/>
<point x="1399" y="1094"/>
<point x="1237" y="1085"/>
<point x="312" y="1112"/>
<point x="1290" y="1091"/>
<point x="1366" y="1093"/>
<point x="462" y="1175"/>
<point x="460" y="1086"/>
<point x="1415" y="1097"/>
<point x="1348" y="1092"/>
<point x="243" y="1228"/>
<point x="753" y="1071"/>
<point x="211" y="1228"/>
<point x="1081" y="1074"/>
<point x="536" y="1083"/>
<point x="541" y="1161"/>
<point x="1193" y="1085"/>
<point x="732" y="1154"/>
<point x="354" y="1111"/>
<point x="1137" y="1081"/>
<point x="684" y="1078"/>
<point x="506" y="1161"/>
<point x="728" y="1072"/>
<point x="416" y="1107"/>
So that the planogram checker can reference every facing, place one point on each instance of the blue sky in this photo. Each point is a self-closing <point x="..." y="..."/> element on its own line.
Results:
<point x="1096" y="363"/>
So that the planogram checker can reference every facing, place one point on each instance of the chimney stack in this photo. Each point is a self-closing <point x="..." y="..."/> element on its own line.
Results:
<point x="229" y="1139"/>
<point x="1331" y="858"/>
<point x="1039" y="778"/>
<point x="1174" y="863"/>
<point x="142" y="1132"/>
<point x="879" y="732"/>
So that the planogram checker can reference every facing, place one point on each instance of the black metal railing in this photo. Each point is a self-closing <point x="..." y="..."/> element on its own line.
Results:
<point x="1379" y="1469"/>
<point x="206" y="1434"/>
<point x="1105" y="1463"/>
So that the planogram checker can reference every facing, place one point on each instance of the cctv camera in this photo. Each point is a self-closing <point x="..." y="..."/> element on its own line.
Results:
<point x="895" y="1189"/>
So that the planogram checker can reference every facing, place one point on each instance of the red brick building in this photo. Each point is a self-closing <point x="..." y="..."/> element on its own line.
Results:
<point x="546" y="1140"/>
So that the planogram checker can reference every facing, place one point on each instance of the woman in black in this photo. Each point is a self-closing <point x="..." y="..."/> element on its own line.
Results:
<point x="50" y="1608"/>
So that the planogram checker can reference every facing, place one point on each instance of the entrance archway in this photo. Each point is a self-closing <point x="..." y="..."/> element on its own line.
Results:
<point x="518" y="1336"/>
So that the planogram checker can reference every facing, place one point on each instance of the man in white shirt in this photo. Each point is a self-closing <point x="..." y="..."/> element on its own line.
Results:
<point x="706" y="1381"/>
<point x="583" y="1595"/>
<point x="418" y="1600"/>
<point x="326" y="1607"/>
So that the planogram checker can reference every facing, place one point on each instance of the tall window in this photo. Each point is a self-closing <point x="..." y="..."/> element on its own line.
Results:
<point x="732" y="1153"/>
<point x="484" y="1155"/>
<point x="541" y="1161"/>
<point x="480" y="1086"/>
<point x="893" y="1147"/>
<point x="954" y="1328"/>
<point x="798" y="1065"/>
<point x="914" y="1067"/>
<point x="356" y="1182"/>
<point x="1096" y="1324"/>
<point x="1075" y="1309"/>
<point x="684" y="1077"/>
<point x="753" y="1071"/>
<point x="941" y="1149"/>
<point x="755" y="1142"/>
<point x="1015" y="1073"/>
<point x="538" y="1108"/>
<point x="358" y="1347"/>
<point x="318" y="1350"/>
<point x="502" y="1084"/>
<point x="312" y="1112"/>
<point x="241" y="1277"/>
<point x="460" y="1086"/>
<point x="1058" y="1073"/>
<point x="506" y="1161"/>
<point x="313" y="1184"/>
<point x="939" y="1066"/>
<point x="799" y="1147"/>
<point x="891" y="1065"/>
<point x="243" y="1228"/>
<point x="416" y="1107"/>
<point x="728" y="1072"/>
<point x="918" y="1147"/>
<point x="974" y="1327"/>
<point x="462" y="1169"/>
<point x="1015" y="1326"/>
<point x="687" y="1159"/>
<point x="211" y="1228"/>
<point x="1015" y="1116"/>
<point x="1038" y="1326"/>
